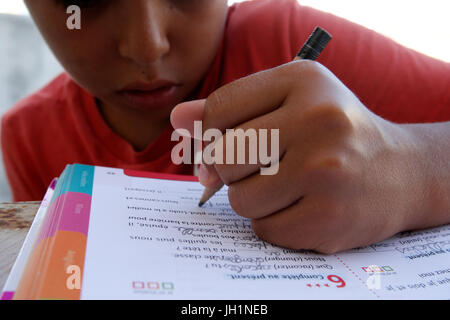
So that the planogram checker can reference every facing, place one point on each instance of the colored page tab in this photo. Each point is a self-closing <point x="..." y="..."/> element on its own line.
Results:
<point x="60" y="249"/>
<point x="82" y="179"/>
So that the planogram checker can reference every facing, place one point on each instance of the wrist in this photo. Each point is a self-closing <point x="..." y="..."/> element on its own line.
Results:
<point x="427" y="152"/>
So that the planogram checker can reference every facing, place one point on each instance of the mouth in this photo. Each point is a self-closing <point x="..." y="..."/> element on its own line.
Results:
<point x="155" y="95"/>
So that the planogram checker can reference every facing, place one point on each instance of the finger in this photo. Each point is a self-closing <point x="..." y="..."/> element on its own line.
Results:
<point x="260" y="93"/>
<point x="300" y="83"/>
<point x="183" y="117"/>
<point x="252" y="147"/>
<point x="185" y="114"/>
<point x="310" y="224"/>
<point x="209" y="177"/>
<point x="259" y="196"/>
<point x="246" y="98"/>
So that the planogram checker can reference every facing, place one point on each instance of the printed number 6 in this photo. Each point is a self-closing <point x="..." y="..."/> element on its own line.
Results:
<point x="337" y="279"/>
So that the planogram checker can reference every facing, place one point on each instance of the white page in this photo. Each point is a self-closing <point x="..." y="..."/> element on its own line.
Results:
<point x="412" y="265"/>
<point x="149" y="240"/>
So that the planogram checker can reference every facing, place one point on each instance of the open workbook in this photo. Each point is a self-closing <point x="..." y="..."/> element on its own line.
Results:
<point x="108" y="233"/>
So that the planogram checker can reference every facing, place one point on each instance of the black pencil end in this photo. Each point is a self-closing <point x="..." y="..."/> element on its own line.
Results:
<point x="315" y="44"/>
<point x="200" y="204"/>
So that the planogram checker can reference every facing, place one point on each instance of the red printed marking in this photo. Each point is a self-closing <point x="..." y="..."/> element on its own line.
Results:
<point x="157" y="175"/>
<point x="358" y="277"/>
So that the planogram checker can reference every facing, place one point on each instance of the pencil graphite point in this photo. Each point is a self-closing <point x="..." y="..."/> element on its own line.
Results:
<point x="208" y="193"/>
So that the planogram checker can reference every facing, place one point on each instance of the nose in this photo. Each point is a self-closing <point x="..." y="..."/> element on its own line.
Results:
<point x="143" y="35"/>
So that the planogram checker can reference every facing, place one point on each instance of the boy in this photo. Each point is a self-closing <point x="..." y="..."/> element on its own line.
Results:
<point x="348" y="176"/>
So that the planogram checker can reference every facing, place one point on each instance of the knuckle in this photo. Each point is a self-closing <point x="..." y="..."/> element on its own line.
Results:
<point x="216" y="98"/>
<point x="301" y="69"/>
<point x="327" y="167"/>
<point x="215" y="105"/>
<point x="303" y="66"/>
<point x="293" y="72"/>
<point x="210" y="113"/>
<point x="329" y="117"/>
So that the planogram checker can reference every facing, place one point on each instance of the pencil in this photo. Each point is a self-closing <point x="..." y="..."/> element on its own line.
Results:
<point x="311" y="50"/>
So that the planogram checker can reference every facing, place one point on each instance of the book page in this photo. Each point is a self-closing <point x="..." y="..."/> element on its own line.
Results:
<point x="409" y="266"/>
<point x="148" y="239"/>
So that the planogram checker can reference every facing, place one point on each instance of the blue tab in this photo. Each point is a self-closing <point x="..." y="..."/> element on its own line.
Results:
<point x="82" y="179"/>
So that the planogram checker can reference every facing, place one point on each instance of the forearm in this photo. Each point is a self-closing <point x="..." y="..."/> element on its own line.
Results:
<point x="433" y="146"/>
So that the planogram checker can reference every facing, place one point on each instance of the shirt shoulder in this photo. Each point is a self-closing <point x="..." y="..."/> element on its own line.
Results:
<point x="393" y="81"/>
<point x="30" y="112"/>
<point x="258" y="36"/>
<point x="39" y="123"/>
<point x="261" y="16"/>
<point x="33" y="135"/>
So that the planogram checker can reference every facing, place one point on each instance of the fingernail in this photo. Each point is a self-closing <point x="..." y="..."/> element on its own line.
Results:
<point x="203" y="173"/>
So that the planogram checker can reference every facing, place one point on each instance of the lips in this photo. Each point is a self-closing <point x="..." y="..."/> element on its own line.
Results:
<point x="143" y="86"/>
<point x="154" y="95"/>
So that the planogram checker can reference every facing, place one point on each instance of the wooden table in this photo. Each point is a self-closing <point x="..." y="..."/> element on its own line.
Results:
<point x="15" y="220"/>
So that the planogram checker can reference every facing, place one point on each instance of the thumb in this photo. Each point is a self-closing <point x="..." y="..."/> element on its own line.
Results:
<point x="184" y="115"/>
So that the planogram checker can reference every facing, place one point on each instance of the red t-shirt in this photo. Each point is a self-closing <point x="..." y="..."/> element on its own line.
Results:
<point x="61" y="124"/>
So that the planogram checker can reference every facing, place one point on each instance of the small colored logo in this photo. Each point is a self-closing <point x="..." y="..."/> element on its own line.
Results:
<point x="152" y="285"/>
<point x="377" y="269"/>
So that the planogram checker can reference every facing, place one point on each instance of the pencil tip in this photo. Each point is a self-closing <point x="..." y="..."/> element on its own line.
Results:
<point x="200" y="204"/>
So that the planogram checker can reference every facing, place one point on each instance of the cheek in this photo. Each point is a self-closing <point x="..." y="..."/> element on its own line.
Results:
<point x="84" y="53"/>
<point x="86" y="56"/>
<point x="197" y="41"/>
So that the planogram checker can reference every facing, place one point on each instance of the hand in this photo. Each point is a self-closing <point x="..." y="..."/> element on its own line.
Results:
<point x="347" y="178"/>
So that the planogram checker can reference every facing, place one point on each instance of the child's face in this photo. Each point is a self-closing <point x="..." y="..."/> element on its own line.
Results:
<point x="123" y="43"/>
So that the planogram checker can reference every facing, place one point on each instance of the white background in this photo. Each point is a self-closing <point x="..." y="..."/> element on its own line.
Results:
<point x="418" y="24"/>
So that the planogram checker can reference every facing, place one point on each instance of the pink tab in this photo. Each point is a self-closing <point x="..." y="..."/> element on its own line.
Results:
<point x="76" y="212"/>
<point x="7" y="295"/>
<point x="70" y="212"/>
